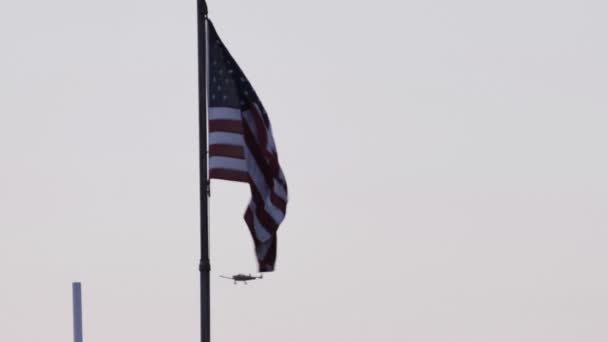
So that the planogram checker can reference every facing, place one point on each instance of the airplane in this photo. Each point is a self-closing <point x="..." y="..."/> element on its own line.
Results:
<point x="243" y="277"/>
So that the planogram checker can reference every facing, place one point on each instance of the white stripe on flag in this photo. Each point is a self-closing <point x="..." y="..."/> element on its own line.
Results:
<point x="263" y="249"/>
<point x="224" y="113"/>
<point x="280" y="190"/>
<point x="217" y="162"/>
<point x="226" y="138"/>
<point x="261" y="232"/>
<point x="257" y="177"/>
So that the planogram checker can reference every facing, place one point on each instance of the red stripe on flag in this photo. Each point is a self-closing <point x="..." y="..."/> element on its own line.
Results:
<point x="230" y="126"/>
<point x="223" y="150"/>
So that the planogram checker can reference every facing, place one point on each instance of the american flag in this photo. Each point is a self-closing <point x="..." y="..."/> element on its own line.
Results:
<point x="242" y="149"/>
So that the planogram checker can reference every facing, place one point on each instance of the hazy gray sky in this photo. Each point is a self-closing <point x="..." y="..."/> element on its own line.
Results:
<point x="446" y="161"/>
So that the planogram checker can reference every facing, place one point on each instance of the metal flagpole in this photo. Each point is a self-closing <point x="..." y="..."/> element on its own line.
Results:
<point x="204" y="265"/>
<point x="77" y="308"/>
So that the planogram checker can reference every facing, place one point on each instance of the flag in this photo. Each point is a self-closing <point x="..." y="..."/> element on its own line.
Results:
<point x="242" y="149"/>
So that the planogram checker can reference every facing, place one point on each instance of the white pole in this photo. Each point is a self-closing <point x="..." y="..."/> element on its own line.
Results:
<point x="77" y="302"/>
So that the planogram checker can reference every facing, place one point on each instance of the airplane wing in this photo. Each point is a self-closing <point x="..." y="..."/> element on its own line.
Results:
<point x="226" y="277"/>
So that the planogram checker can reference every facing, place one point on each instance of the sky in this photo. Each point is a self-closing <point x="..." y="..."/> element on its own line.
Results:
<point x="446" y="162"/>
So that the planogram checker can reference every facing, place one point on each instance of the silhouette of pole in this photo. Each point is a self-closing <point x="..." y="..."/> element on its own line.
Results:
<point x="204" y="265"/>
<point x="77" y="309"/>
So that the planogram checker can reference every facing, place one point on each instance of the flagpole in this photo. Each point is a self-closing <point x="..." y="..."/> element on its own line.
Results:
<point x="204" y="265"/>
